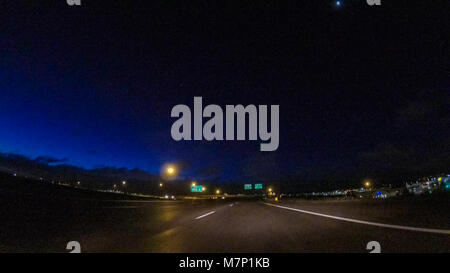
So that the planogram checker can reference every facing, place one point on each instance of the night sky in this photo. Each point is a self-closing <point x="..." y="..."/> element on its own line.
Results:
<point x="363" y="91"/>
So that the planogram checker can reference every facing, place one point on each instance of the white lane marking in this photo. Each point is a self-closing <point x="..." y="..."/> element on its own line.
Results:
<point x="206" y="214"/>
<point x="429" y="230"/>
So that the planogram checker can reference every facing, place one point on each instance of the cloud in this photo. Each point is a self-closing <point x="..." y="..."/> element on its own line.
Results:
<point x="50" y="160"/>
<point x="419" y="139"/>
<point x="429" y="108"/>
<point x="211" y="171"/>
<point x="397" y="162"/>
<point x="262" y="166"/>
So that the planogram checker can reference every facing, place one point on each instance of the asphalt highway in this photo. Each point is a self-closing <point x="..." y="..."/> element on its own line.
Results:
<point x="35" y="225"/>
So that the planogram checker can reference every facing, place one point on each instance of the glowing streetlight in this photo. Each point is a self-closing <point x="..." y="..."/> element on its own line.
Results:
<point x="193" y="184"/>
<point x="160" y="185"/>
<point x="124" y="182"/>
<point x="269" y="189"/>
<point x="170" y="170"/>
<point x="203" y="188"/>
<point x="217" y="191"/>
<point x="367" y="184"/>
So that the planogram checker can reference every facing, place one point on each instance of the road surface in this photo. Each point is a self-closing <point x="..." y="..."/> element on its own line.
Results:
<point x="30" y="224"/>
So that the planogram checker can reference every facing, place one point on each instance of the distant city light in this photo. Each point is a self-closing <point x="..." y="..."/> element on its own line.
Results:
<point x="338" y="3"/>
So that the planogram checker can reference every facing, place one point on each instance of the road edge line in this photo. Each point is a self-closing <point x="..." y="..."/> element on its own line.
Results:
<point x="204" y="215"/>
<point x="428" y="230"/>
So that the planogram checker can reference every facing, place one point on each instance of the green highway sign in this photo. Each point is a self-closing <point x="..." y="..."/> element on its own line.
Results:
<point x="198" y="188"/>
<point x="258" y="186"/>
<point x="248" y="186"/>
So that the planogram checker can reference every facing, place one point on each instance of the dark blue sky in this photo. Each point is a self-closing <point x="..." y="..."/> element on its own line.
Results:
<point x="96" y="84"/>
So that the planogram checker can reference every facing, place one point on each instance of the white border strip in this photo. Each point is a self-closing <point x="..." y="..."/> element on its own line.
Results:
<point x="204" y="215"/>
<point x="429" y="230"/>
